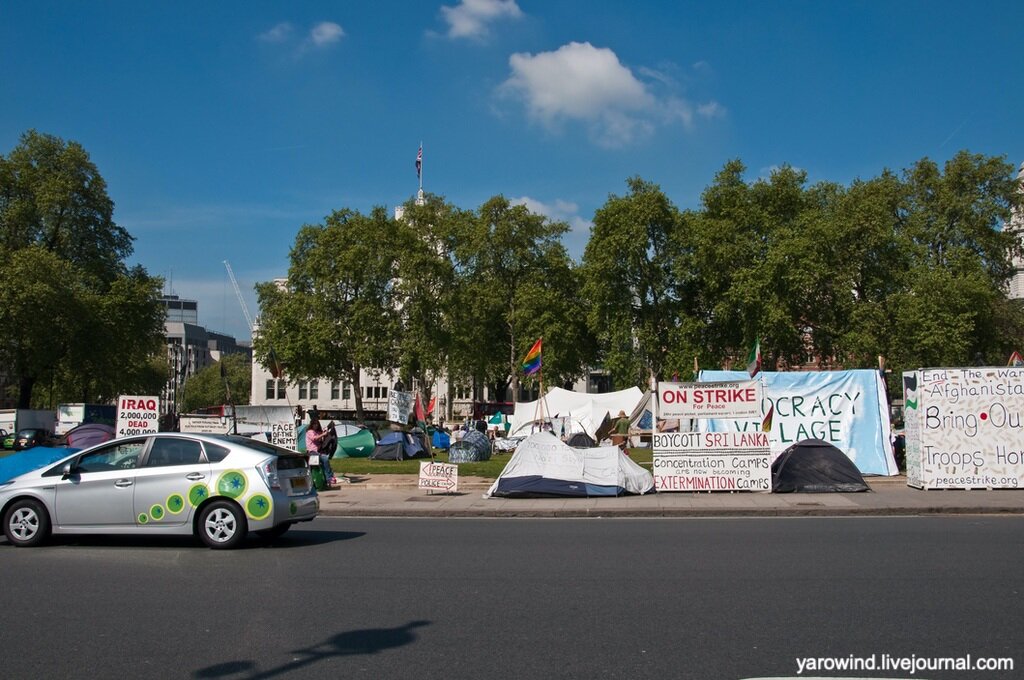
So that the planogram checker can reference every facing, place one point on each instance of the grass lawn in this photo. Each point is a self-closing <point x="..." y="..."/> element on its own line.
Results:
<point x="489" y="469"/>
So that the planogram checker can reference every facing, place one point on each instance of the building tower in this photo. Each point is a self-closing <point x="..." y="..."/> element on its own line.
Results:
<point x="1016" y="226"/>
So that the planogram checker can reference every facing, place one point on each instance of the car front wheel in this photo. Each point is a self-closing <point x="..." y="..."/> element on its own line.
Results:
<point x="26" y="523"/>
<point x="222" y="525"/>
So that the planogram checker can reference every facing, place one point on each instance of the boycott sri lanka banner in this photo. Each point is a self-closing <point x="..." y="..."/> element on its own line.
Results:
<point x="847" y="409"/>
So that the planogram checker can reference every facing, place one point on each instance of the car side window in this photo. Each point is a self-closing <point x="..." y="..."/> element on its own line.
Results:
<point x="172" y="451"/>
<point x="215" y="453"/>
<point x="120" y="456"/>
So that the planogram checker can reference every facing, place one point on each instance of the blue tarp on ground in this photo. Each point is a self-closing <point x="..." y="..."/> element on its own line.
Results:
<point x="31" y="459"/>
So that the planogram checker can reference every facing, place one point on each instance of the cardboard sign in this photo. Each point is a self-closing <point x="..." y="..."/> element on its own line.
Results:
<point x="712" y="461"/>
<point x="283" y="435"/>
<point x="739" y="399"/>
<point x="137" y="415"/>
<point x="400" y="405"/>
<point x="439" y="477"/>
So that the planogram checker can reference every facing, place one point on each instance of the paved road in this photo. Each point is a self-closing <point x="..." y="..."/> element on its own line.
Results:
<point x="519" y="598"/>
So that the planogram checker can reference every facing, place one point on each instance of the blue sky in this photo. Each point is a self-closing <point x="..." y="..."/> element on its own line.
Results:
<point x="222" y="127"/>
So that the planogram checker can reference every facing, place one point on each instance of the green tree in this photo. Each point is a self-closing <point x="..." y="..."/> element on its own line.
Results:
<point x="106" y="320"/>
<point x="517" y="284"/>
<point x="335" y="314"/>
<point x="635" y="279"/>
<point x="209" y="387"/>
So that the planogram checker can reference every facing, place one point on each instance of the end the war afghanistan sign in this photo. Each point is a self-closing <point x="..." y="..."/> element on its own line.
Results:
<point x="847" y="409"/>
<point x="965" y="428"/>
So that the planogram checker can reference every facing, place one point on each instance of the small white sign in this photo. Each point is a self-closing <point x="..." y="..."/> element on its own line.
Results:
<point x="439" y="477"/>
<point x="740" y="399"/>
<point x="283" y="434"/>
<point x="200" y="424"/>
<point x="137" y="415"/>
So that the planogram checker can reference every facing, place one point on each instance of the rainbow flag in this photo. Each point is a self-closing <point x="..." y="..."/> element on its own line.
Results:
<point x="766" y="424"/>
<point x="531" y="364"/>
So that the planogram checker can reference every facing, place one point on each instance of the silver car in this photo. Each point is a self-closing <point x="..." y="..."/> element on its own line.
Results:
<point x="218" y="487"/>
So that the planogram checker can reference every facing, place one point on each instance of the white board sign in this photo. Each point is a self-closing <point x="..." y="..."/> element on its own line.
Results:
<point x="439" y="477"/>
<point x="740" y="399"/>
<point x="283" y="434"/>
<point x="400" y="405"/>
<point x="200" y="424"/>
<point x="712" y="461"/>
<point x="965" y="428"/>
<point x="137" y="415"/>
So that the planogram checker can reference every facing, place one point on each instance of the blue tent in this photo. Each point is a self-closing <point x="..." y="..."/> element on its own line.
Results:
<point x="31" y="459"/>
<point x="399" y="446"/>
<point x="441" y="440"/>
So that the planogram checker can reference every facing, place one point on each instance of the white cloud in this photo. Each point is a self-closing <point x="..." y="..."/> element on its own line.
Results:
<point x="278" y="33"/>
<point x="582" y="83"/>
<point x="711" y="110"/>
<point x="559" y="210"/>
<point x="471" y="18"/>
<point x="326" y="33"/>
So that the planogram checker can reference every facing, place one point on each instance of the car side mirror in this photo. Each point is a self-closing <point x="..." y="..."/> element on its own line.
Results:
<point x="66" y="472"/>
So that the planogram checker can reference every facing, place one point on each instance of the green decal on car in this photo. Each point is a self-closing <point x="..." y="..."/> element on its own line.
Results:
<point x="157" y="512"/>
<point x="143" y="518"/>
<point x="232" y="484"/>
<point x="175" y="503"/>
<point x="258" y="506"/>
<point x="293" y="508"/>
<point x="197" y="494"/>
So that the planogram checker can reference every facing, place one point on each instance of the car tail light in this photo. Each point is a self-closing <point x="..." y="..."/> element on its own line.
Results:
<point x="268" y="471"/>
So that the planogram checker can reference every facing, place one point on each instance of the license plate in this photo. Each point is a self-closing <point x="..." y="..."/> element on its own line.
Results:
<point x="300" y="483"/>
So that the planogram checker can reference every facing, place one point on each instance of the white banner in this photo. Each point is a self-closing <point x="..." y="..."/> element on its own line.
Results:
<point x="965" y="428"/>
<point x="739" y="399"/>
<point x="439" y="477"/>
<point x="712" y="461"/>
<point x="137" y="415"/>
<point x="200" y="424"/>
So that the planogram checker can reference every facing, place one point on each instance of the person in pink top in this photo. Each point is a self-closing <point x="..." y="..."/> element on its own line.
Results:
<point x="314" y="438"/>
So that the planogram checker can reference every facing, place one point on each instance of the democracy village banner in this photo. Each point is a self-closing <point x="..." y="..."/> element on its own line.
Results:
<point x="964" y="428"/>
<point x="711" y="461"/>
<point x="847" y="409"/>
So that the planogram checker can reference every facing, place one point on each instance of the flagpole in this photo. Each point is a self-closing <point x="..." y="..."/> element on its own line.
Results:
<point x="421" y="169"/>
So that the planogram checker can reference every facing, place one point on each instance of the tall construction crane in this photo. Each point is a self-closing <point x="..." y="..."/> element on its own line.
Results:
<point x="238" y="292"/>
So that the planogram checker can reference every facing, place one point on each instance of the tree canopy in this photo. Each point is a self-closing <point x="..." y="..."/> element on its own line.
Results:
<point x="80" y="319"/>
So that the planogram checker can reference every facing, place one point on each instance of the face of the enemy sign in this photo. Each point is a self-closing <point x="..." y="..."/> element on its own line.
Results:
<point x="741" y="399"/>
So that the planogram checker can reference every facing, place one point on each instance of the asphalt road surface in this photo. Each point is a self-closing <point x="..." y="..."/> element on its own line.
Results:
<point x="521" y="598"/>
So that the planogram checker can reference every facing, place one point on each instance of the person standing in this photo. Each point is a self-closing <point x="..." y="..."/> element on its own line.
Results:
<point x="314" y="438"/>
<point x="328" y="447"/>
<point x="620" y="432"/>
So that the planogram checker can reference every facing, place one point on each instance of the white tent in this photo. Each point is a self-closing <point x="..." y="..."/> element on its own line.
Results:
<point x="543" y="465"/>
<point x="577" y="411"/>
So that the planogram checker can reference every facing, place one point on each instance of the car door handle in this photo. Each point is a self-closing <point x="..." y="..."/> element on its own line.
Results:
<point x="193" y="476"/>
<point x="123" y="483"/>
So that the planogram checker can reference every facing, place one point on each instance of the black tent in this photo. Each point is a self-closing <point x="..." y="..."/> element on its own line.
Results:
<point x="814" y="466"/>
<point x="581" y="440"/>
<point x="398" y="446"/>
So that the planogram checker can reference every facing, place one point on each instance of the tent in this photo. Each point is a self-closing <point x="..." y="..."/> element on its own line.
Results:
<point x="815" y="466"/>
<point x="359" y="444"/>
<point x="441" y="440"/>
<point x="399" y="446"/>
<point x="581" y="440"/>
<point x="573" y="411"/>
<point x="89" y="434"/>
<point x="474" y="447"/>
<point x="543" y="465"/>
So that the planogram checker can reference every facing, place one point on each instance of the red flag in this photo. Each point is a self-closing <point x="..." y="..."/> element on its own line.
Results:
<point x="430" y="406"/>
<point x="418" y="409"/>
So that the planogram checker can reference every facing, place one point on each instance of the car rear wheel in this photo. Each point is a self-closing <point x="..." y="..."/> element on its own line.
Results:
<point x="222" y="525"/>
<point x="26" y="523"/>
